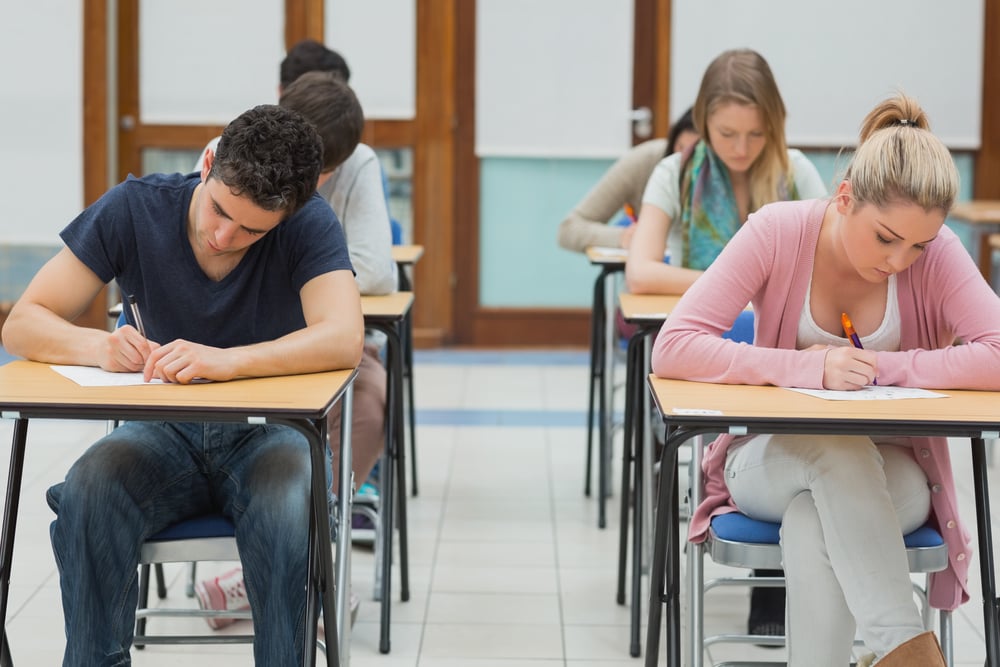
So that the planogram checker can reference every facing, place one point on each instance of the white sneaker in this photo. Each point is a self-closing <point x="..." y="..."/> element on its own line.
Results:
<point x="223" y="593"/>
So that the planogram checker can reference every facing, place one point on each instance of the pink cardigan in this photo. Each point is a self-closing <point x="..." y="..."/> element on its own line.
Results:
<point x="942" y="297"/>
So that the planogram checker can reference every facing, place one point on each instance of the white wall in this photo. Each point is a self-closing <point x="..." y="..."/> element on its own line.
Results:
<point x="204" y="62"/>
<point x="41" y="119"/>
<point x="378" y="39"/>
<point x="542" y="90"/>
<point x="834" y="61"/>
<point x="553" y="78"/>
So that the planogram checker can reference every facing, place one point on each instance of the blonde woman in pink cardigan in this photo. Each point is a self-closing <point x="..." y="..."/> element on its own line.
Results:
<point x="879" y="251"/>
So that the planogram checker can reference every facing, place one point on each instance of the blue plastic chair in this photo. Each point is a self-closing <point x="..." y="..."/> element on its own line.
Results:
<point x="209" y="537"/>
<point x="738" y="541"/>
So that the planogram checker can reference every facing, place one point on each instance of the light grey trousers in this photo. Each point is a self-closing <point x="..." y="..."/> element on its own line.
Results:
<point x="844" y="504"/>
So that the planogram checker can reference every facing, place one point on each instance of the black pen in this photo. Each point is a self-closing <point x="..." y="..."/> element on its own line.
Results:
<point x="134" y="306"/>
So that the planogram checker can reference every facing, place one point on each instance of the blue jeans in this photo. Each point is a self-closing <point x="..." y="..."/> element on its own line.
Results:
<point x="144" y="476"/>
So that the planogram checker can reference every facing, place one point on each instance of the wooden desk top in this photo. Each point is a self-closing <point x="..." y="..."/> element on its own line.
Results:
<point x="387" y="307"/>
<point x="605" y="256"/>
<point x="977" y="212"/>
<point x="35" y="390"/>
<point x="960" y="413"/>
<point x="647" y="308"/>
<point x="407" y="254"/>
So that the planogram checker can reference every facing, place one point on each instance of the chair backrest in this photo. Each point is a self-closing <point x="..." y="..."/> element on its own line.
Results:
<point x="397" y="229"/>
<point x="742" y="331"/>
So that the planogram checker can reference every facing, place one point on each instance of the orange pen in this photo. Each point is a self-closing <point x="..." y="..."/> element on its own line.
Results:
<point x="853" y="335"/>
<point x="630" y="213"/>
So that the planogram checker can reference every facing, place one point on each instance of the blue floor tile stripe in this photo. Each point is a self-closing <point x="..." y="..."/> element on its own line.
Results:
<point x="502" y="357"/>
<point x="458" y="417"/>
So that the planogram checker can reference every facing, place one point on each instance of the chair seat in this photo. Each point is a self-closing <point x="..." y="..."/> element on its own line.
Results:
<point x="206" y="537"/>
<point x="736" y="539"/>
<point x="207" y="525"/>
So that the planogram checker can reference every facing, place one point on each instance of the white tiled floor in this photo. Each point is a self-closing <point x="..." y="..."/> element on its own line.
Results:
<point x="507" y="566"/>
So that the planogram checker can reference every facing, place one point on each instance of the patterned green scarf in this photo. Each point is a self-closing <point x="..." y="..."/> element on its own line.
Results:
<point x="709" y="217"/>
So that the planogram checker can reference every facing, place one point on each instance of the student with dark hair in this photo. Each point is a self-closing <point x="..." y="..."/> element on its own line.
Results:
<point x="593" y="221"/>
<point x="311" y="56"/>
<point x="240" y="271"/>
<point x="350" y="182"/>
<point x="682" y="135"/>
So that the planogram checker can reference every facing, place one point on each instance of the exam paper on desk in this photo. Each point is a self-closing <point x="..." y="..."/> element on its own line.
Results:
<point x="91" y="376"/>
<point x="876" y="393"/>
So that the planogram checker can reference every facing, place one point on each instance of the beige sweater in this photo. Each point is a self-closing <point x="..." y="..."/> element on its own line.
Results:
<point x="587" y="224"/>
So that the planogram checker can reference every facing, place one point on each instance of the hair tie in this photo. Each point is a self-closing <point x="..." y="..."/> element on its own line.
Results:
<point x="906" y="122"/>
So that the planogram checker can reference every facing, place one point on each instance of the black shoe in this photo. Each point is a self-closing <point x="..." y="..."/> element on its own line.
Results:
<point x="767" y="608"/>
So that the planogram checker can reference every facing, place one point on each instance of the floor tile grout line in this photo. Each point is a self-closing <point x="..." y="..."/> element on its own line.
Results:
<point x="550" y="470"/>
<point x="437" y="542"/>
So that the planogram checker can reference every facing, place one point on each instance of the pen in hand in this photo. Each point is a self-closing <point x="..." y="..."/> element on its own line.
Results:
<point x="630" y="213"/>
<point x="134" y="307"/>
<point x="853" y="336"/>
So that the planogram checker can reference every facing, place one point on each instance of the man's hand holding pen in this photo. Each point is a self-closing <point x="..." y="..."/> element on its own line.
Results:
<point x="126" y="350"/>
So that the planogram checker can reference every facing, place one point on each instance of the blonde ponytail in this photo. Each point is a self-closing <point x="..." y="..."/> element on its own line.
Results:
<point x="900" y="160"/>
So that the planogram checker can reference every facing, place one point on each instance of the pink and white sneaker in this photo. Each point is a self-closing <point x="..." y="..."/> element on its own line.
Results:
<point x="223" y="593"/>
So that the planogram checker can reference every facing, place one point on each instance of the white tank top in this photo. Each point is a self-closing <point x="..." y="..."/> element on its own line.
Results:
<point x="885" y="338"/>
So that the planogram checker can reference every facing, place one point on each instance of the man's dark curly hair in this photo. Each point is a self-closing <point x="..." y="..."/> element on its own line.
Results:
<point x="272" y="155"/>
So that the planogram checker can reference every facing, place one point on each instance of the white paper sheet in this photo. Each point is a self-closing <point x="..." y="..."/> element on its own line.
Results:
<point x="877" y="393"/>
<point x="89" y="376"/>
<point x="606" y="251"/>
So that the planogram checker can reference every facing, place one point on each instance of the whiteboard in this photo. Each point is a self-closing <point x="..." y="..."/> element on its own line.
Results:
<point x="41" y="136"/>
<point x="205" y="63"/>
<point x="378" y="40"/>
<point x="553" y="78"/>
<point x="834" y="61"/>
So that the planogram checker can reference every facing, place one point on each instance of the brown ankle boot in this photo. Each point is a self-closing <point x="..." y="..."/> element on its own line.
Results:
<point x="921" y="651"/>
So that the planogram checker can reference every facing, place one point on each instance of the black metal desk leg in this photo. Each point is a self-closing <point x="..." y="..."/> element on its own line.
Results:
<point x="635" y="394"/>
<point x="399" y="449"/>
<point x="320" y="563"/>
<point x="665" y="546"/>
<point x="388" y="494"/>
<point x="657" y="569"/>
<point x="9" y="526"/>
<point x="673" y="590"/>
<point x="986" y="564"/>
<point x="406" y="285"/>
<point x="411" y="406"/>
<point x="627" y="461"/>
<point x="596" y="373"/>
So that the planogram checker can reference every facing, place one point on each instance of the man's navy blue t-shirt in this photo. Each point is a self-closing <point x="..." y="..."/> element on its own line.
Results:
<point x="137" y="234"/>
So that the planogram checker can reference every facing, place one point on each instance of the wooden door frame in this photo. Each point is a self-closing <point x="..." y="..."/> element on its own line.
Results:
<point x="478" y="325"/>
<point x="986" y="184"/>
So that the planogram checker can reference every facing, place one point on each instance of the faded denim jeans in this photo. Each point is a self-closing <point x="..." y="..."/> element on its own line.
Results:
<point x="144" y="476"/>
